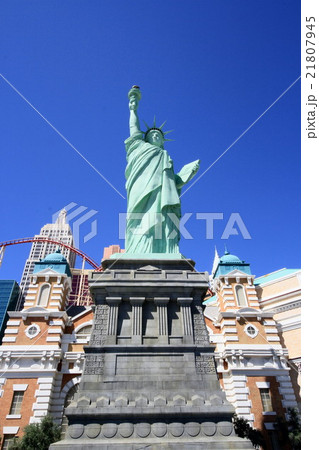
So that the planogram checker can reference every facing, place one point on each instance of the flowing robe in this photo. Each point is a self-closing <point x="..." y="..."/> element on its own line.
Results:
<point x="152" y="198"/>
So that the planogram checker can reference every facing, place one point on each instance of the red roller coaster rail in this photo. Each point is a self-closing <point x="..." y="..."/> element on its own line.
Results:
<point x="83" y="255"/>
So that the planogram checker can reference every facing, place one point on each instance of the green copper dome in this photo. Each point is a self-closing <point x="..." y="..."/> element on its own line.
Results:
<point x="228" y="258"/>
<point x="55" y="257"/>
<point x="55" y="261"/>
<point x="227" y="263"/>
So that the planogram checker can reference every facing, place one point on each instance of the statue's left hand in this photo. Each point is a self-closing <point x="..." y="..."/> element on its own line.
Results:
<point x="186" y="173"/>
<point x="195" y="166"/>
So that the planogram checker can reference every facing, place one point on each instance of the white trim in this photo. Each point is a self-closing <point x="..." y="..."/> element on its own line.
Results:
<point x="283" y="299"/>
<point x="53" y="339"/>
<point x="229" y="330"/>
<point x="43" y="386"/>
<point x="20" y="387"/>
<point x="40" y="406"/>
<point x="263" y="384"/>
<point x="13" y="416"/>
<point x="271" y="330"/>
<point x="10" y="430"/>
<point x="255" y="347"/>
<point x="43" y="399"/>
<point x="285" y="277"/>
<point x="56" y="323"/>
<point x="227" y="322"/>
<point x="273" y="338"/>
<point x="81" y="314"/>
<point x="27" y="330"/>
<point x="250" y="325"/>
<point x="23" y="348"/>
<point x="11" y="331"/>
<point x="13" y="323"/>
<point x="42" y="393"/>
<point x="9" y="339"/>
<point x="84" y="324"/>
<point x="55" y="330"/>
<point x="45" y="380"/>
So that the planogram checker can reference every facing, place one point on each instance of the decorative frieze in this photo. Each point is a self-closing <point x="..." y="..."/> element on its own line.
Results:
<point x="157" y="431"/>
<point x="94" y="364"/>
<point x="100" y="327"/>
<point x="200" y="330"/>
<point x="204" y="363"/>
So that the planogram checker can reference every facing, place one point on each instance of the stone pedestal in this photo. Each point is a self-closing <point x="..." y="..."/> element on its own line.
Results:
<point x="149" y="379"/>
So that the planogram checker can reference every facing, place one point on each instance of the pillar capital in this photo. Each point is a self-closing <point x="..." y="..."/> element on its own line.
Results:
<point x="161" y="300"/>
<point x="184" y="300"/>
<point x="113" y="301"/>
<point x="137" y="300"/>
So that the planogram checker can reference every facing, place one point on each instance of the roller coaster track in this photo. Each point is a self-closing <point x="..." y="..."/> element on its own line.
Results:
<point x="83" y="255"/>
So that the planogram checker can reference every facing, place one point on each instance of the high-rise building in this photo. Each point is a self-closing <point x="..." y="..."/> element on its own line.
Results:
<point x="9" y="294"/>
<point x="59" y="231"/>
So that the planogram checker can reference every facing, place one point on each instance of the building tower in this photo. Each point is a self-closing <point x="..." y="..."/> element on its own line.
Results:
<point x="41" y="357"/>
<point x="252" y="362"/>
<point x="60" y="231"/>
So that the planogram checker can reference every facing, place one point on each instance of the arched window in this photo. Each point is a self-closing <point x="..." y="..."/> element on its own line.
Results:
<point x="241" y="296"/>
<point x="85" y="330"/>
<point x="44" y="295"/>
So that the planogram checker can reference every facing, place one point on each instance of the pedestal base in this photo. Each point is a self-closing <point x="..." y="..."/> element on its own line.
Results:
<point x="149" y="379"/>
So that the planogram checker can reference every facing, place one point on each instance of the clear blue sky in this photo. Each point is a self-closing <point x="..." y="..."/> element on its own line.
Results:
<point x="211" y="68"/>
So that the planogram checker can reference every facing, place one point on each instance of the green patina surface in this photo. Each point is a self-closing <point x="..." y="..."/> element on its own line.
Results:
<point x="153" y="190"/>
<point x="150" y="256"/>
<point x="274" y="276"/>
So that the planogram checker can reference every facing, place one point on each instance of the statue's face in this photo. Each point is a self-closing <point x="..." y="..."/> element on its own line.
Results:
<point x="155" y="137"/>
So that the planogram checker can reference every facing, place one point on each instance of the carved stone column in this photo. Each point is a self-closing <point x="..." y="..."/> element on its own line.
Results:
<point x="137" y="303"/>
<point x="111" y="333"/>
<point x="161" y="303"/>
<point x="185" y="305"/>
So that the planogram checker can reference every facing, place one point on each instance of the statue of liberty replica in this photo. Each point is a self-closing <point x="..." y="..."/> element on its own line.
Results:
<point x="149" y="379"/>
<point x="153" y="188"/>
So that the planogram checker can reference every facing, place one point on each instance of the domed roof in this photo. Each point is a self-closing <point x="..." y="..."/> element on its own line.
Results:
<point x="55" y="257"/>
<point x="228" y="258"/>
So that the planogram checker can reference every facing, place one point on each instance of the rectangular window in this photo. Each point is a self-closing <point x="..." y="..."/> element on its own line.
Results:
<point x="266" y="399"/>
<point x="7" y="439"/>
<point x="16" y="402"/>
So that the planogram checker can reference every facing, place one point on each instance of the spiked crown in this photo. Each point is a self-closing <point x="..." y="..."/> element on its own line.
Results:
<point x="160" y="129"/>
